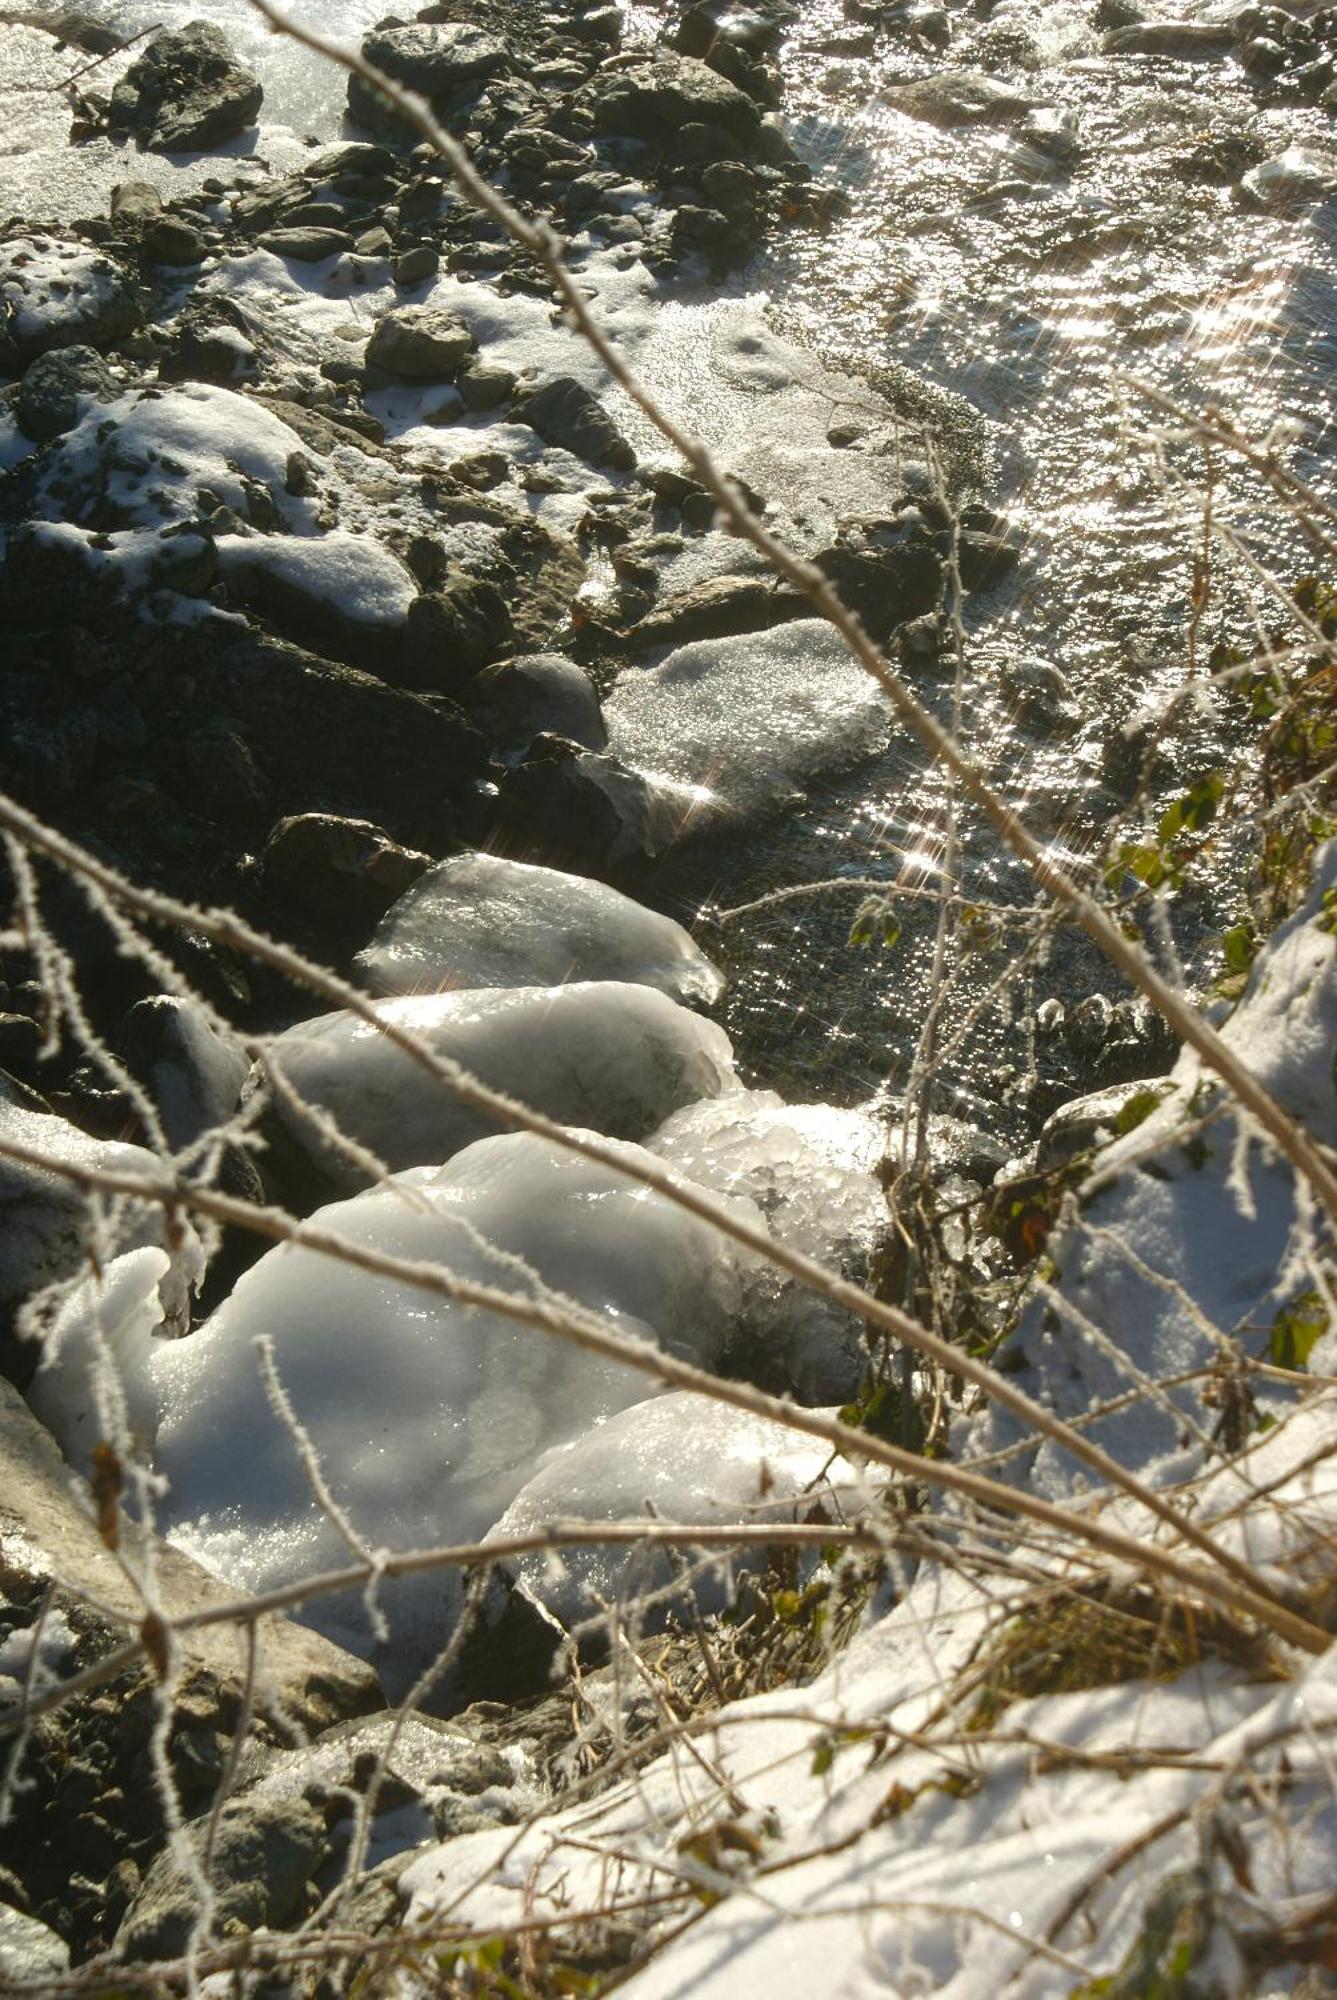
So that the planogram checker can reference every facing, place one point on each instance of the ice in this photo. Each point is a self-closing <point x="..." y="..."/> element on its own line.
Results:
<point x="427" y="1416"/>
<point x="750" y="722"/>
<point x="809" y="1168"/>
<point x="99" y="1355"/>
<point x="1193" y="1236"/>
<point x="478" y="920"/>
<point x="678" y="1457"/>
<point x="599" y="1053"/>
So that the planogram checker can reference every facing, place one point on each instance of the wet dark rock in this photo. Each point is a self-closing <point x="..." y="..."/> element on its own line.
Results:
<point x="59" y="293"/>
<point x="194" y="1072"/>
<point x="441" y="61"/>
<point x="953" y="97"/>
<point x="336" y="877"/>
<point x="1040" y="696"/>
<point x="886" y="585"/>
<point x="720" y="608"/>
<point x="656" y="99"/>
<point x="260" y="1860"/>
<point x="540" y="694"/>
<point x="583" y="811"/>
<point x="56" y="386"/>
<point x="452" y="633"/>
<point x="565" y="413"/>
<point x="421" y="343"/>
<point x="187" y="93"/>
<point x="1183" y="41"/>
<point x="987" y="549"/>
<point x="306" y="245"/>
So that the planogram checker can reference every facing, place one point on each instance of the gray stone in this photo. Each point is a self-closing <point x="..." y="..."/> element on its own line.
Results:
<point x="483" y="387"/>
<point x="452" y="633"/>
<point x="186" y="93"/>
<point x="438" y="60"/>
<point x="306" y="245"/>
<point x="55" y="387"/>
<point x="345" y="869"/>
<point x="542" y="694"/>
<point x="168" y="240"/>
<point x="30" y="1954"/>
<point x="416" y="264"/>
<point x="565" y="413"/>
<point x="422" y="343"/>
<point x="261" y="1859"/>
<point x="1186" y="41"/>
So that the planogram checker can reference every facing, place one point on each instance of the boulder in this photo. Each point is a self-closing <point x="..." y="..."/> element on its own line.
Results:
<point x="441" y="61"/>
<point x="56" y="386"/>
<point x="55" y="293"/>
<point x="654" y="100"/>
<point x="186" y="93"/>
<point x="422" y="343"/>
<point x="959" y="97"/>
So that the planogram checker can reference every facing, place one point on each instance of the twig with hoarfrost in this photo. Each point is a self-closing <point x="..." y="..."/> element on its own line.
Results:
<point x="173" y="1196"/>
<point x="1284" y="1131"/>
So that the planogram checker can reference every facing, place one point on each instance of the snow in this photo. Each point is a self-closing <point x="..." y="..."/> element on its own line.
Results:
<point x="49" y="287"/>
<point x="750" y="722"/>
<point x="99" y="1353"/>
<point x="599" y="1053"/>
<point x="146" y="456"/>
<point x="479" y="920"/>
<point x="1187" y="1237"/>
<point x="677" y="1457"/>
<point x="809" y="1168"/>
<point x="427" y="1416"/>
<point x="345" y="574"/>
<point x="907" y="1854"/>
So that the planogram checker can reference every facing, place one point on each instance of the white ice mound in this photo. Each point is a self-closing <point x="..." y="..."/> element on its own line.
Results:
<point x="1193" y="1239"/>
<point x="604" y="1054"/>
<point x="95" y="1377"/>
<point x="809" y="1168"/>
<point x="478" y="920"/>
<point x="751" y="722"/>
<point x="427" y="1416"/>
<point x="682" y="1458"/>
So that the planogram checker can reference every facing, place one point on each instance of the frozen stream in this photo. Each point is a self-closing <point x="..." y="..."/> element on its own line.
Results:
<point x="1005" y="278"/>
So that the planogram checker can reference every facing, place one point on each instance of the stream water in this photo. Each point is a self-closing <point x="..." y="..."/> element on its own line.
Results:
<point x="1018" y="280"/>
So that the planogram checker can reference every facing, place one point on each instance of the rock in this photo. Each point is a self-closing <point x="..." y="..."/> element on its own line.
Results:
<point x="306" y="246"/>
<point x="441" y="61"/>
<point x="422" y="343"/>
<point x="954" y="97"/>
<point x="261" y="1857"/>
<point x="1085" y="1123"/>
<point x="1184" y="41"/>
<point x="193" y="1072"/>
<point x="417" y="265"/>
<point x="517" y="700"/>
<point x="56" y="386"/>
<point x="1297" y="176"/>
<point x="133" y="206"/>
<point x="452" y="633"/>
<point x="887" y="585"/>
<point x="186" y="93"/>
<point x="719" y="608"/>
<point x="1040" y="695"/>
<point x="565" y="413"/>
<point x="167" y="240"/>
<point x="485" y="387"/>
<point x="55" y="293"/>
<point x="30" y="1953"/>
<point x="346" y="871"/>
<point x="345" y="592"/>
<point x="654" y="100"/>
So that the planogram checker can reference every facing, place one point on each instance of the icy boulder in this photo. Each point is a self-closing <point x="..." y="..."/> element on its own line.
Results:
<point x="681" y="1458"/>
<point x="44" y="1217"/>
<point x="95" y="1378"/>
<point x="749" y="722"/>
<point x="604" y="1054"/>
<point x="1189" y="1237"/>
<point x="809" y="1168"/>
<point x="478" y="920"/>
<point x="427" y="1416"/>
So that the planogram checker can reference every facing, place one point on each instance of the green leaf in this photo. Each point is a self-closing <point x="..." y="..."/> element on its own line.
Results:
<point x="1197" y="809"/>
<point x="1297" y="1329"/>
<point x="1239" y="946"/>
<point x="1139" y="1107"/>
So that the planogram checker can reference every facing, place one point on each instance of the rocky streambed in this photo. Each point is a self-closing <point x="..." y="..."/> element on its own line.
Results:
<point x="338" y="589"/>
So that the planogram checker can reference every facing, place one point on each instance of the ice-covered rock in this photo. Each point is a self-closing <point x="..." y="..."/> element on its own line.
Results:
<point x="194" y="1071"/>
<point x="749" y="722"/>
<point x="600" y="1053"/>
<point x="95" y="1377"/>
<point x="809" y="1168"/>
<point x="427" y="1416"/>
<point x="678" y="1457"/>
<point x="479" y="920"/>
<point x="55" y="293"/>
<point x="1189" y="1236"/>
<point x="45" y="1218"/>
